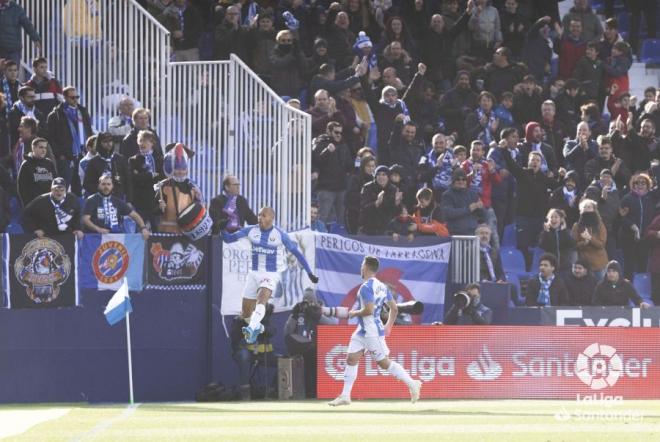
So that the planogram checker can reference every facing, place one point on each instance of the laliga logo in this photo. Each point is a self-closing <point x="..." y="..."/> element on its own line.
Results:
<point x="599" y="366"/>
<point x="484" y="368"/>
<point x="335" y="360"/>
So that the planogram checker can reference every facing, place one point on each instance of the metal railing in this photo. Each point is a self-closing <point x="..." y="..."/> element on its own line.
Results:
<point x="222" y="110"/>
<point x="465" y="259"/>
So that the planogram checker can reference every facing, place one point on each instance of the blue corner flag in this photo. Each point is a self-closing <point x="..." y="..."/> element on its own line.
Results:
<point x="119" y="305"/>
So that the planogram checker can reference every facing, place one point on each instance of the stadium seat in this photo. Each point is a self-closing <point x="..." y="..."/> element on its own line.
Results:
<point x="642" y="283"/>
<point x="513" y="261"/>
<point x="536" y="257"/>
<point x="650" y="52"/>
<point x="337" y="228"/>
<point x="519" y="300"/>
<point x="624" y="21"/>
<point x="509" y="237"/>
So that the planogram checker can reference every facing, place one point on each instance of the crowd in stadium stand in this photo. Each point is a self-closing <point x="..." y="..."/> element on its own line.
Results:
<point x="429" y="117"/>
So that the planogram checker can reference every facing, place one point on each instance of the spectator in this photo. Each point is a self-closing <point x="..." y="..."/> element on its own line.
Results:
<point x="547" y="289"/>
<point x="396" y="57"/>
<point x="36" y="173"/>
<point x="177" y="192"/>
<point x="340" y="40"/>
<point x="568" y="103"/>
<point x="46" y="86"/>
<point x="396" y="30"/>
<point x="90" y="148"/>
<point x="553" y="130"/>
<point x="24" y="107"/>
<point x="606" y="160"/>
<point x="53" y="213"/>
<point x="186" y="29"/>
<point x="532" y="199"/>
<point x="486" y="29"/>
<point x="230" y="37"/>
<point x="566" y="198"/>
<point x="378" y="203"/>
<point x="9" y="83"/>
<point x="502" y="194"/>
<point x="514" y="27"/>
<point x="610" y="36"/>
<point x="482" y="124"/>
<point x="406" y="151"/>
<point x="288" y="65"/>
<point x="616" y="67"/>
<point x="146" y="170"/>
<point x="129" y="145"/>
<point x="482" y="176"/>
<point x="590" y="237"/>
<point x="570" y="46"/>
<point x="491" y="269"/>
<point x="387" y="111"/>
<point x="527" y="100"/>
<point x="589" y="72"/>
<point x="501" y="75"/>
<point x="537" y="49"/>
<point x="556" y="239"/>
<point x="503" y="110"/>
<point x="637" y="211"/>
<point x="104" y="213"/>
<point x="590" y="114"/>
<point x="534" y="143"/>
<point x="427" y="215"/>
<point x="332" y="160"/>
<point x="652" y="234"/>
<point x="356" y="181"/>
<point x="637" y="149"/>
<point x="12" y="19"/>
<point x="324" y="112"/>
<point x="580" y="284"/>
<point x="120" y="125"/>
<point x="230" y="211"/>
<point x="605" y="193"/>
<point x="327" y="80"/>
<point x="315" y="223"/>
<point x="437" y="166"/>
<point x="458" y="103"/>
<point x="401" y="181"/>
<point x="5" y="191"/>
<point x="461" y="206"/>
<point x="591" y="25"/>
<point x="27" y="131"/>
<point x="260" y="43"/>
<point x="470" y="311"/>
<point x="69" y="126"/>
<point x="402" y="224"/>
<point x="614" y="290"/>
<point x="108" y="162"/>
<point x="579" y="151"/>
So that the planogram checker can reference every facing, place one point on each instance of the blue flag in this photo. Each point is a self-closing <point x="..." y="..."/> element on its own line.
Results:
<point x="119" y="305"/>
<point x="105" y="260"/>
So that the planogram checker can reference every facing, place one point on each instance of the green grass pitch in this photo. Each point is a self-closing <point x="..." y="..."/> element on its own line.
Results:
<point x="436" y="420"/>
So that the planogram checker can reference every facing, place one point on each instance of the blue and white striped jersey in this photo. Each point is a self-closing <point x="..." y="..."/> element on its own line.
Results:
<point x="372" y="290"/>
<point x="268" y="248"/>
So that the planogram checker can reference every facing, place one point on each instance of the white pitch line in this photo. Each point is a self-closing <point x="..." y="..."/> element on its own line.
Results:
<point x="15" y="422"/>
<point x="104" y="425"/>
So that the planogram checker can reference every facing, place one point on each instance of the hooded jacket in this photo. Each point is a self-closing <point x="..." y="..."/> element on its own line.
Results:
<point x="619" y="293"/>
<point x="12" y="19"/>
<point x="580" y="290"/>
<point x="456" y="211"/>
<point x="374" y="220"/>
<point x="34" y="178"/>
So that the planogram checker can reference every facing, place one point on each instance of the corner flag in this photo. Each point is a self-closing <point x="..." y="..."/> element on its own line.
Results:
<point x="119" y="305"/>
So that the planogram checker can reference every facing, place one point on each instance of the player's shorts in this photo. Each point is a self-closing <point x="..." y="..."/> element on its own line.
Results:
<point x="257" y="280"/>
<point x="375" y="345"/>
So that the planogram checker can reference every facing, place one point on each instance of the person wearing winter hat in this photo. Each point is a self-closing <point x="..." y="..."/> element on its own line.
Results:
<point x="378" y="203"/>
<point x="580" y="284"/>
<point x="177" y="191"/>
<point x="615" y="290"/>
<point x="109" y="162"/>
<point x="363" y="47"/>
<point x="567" y="197"/>
<point x="53" y="213"/>
<point x="461" y="206"/>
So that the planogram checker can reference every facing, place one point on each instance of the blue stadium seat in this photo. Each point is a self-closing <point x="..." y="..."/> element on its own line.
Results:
<point x="650" y="52"/>
<point x="536" y="258"/>
<point x="513" y="261"/>
<point x="642" y="283"/>
<point x="624" y="21"/>
<point x="509" y="237"/>
<point x="513" y="279"/>
<point x="337" y="228"/>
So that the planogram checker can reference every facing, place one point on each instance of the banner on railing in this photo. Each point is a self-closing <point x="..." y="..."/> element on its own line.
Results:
<point x="176" y="263"/>
<point x="105" y="260"/>
<point x="39" y="272"/>
<point x="478" y="362"/>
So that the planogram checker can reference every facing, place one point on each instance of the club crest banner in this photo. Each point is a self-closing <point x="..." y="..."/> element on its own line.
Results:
<point x="236" y="262"/>
<point x="174" y="262"/>
<point x="105" y="260"/>
<point x="39" y="272"/>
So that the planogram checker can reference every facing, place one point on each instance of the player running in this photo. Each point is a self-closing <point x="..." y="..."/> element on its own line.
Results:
<point x="370" y="334"/>
<point x="269" y="245"/>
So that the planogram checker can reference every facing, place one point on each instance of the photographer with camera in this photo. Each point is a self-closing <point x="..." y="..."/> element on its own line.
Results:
<point x="468" y="309"/>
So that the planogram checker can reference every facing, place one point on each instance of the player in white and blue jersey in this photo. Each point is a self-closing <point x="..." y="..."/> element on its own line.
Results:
<point x="269" y="247"/>
<point x="370" y="334"/>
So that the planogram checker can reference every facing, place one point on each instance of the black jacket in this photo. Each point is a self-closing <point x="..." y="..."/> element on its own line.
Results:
<point x="472" y="315"/>
<point x="374" y="220"/>
<point x="558" y="295"/>
<point x="560" y="243"/>
<point x="59" y="133"/>
<point x="557" y="201"/>
<point x="220" y="218"/>
<point x="129" y="146"/>
<point x="532" y="188"/>
<point x="143" y="198"/>
<point x="496" y="259"/>
<point x="619" y="294"/>
<point x="580" y="290"/>
<point x="456" y="211"/>
<point x="34" y="178"/>
<point x="40" y="215"/>
<point x="121" y="178"/>
<point x="333" y="167"/>
<point x="546" y="150"/>
<point x="502" y="79"/>
<point x="455" y="106"/>
<point x="14" y="119"/>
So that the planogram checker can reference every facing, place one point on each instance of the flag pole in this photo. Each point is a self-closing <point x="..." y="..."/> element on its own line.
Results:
<point x="130" y="362"/>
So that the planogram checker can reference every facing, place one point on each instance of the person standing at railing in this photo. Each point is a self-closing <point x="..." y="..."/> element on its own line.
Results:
<point x="108" y="162"/>
<point x="129" y="146"/>
<point x="146" y="169"/>
<point x="185" y="24"/>
<point x="289" y="64"/>
<point x="121" y="125"/>
<point x="230" y="211"/>
<point x="12" y="19"/>
<point x="230" y="36"/>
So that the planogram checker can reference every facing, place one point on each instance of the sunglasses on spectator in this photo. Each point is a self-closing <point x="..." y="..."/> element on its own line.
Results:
<point x="337" y="132"/>
<point x="73" y="97"/>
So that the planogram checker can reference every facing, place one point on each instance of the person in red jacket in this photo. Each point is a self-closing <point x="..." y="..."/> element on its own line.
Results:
<point x="571" y="48"/>
<point x="482" y="174"/>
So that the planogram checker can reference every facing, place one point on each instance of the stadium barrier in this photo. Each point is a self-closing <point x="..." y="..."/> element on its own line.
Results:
<point x="481" y="362"/>
<point x="221" y="109"/>
<point x="465" y="267"/>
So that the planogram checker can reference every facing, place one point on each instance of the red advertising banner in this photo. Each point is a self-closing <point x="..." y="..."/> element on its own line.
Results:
<point x="501" y="362"/>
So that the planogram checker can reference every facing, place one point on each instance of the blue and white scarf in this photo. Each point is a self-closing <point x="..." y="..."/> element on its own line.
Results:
<point x="442" y="178"/>
<point x="543" y="297"/>
<point x="404" y="108"/>
<point x="26" y="111"/>
<point x="75" y="121"/>
<point x="477" y="175"/>
<point x="110" y="216"/>
<point x="61" y="217"/>
<point x="252" y="11"/>
<point x="149" y="161"/>
<point x="569" y="196"/>
<point x="487" y="136"/>
<point x="489" y="262"/>
<point x="7" y="91"/>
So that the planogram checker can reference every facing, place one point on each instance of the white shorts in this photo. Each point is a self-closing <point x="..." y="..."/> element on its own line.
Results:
<point x="257" y="280"/>
<point x="375" y="345"/>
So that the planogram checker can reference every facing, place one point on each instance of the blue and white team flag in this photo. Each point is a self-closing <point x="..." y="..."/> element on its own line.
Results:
<point x="105" y="260"/>
<point x="119" y="305"/>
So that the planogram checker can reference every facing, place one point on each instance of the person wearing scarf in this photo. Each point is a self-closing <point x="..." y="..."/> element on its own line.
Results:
<point x="186" y="31"/>
<point x="53" y="213"/>
<point x="614" y="290"/>
<point x="590" y="236"/>
<point x="534" y="143"/>
<point x="145" y="169"/>
<point x="10" y="84"/>
<point x="491" y="262"/>
<point x="108" y="162"/>
<point x="482" y="124"/>
<point x="547" y="289"/>
<point x="104" y="213"/>
<point x="566" y="198"/>
<point x="230" y="211"/>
